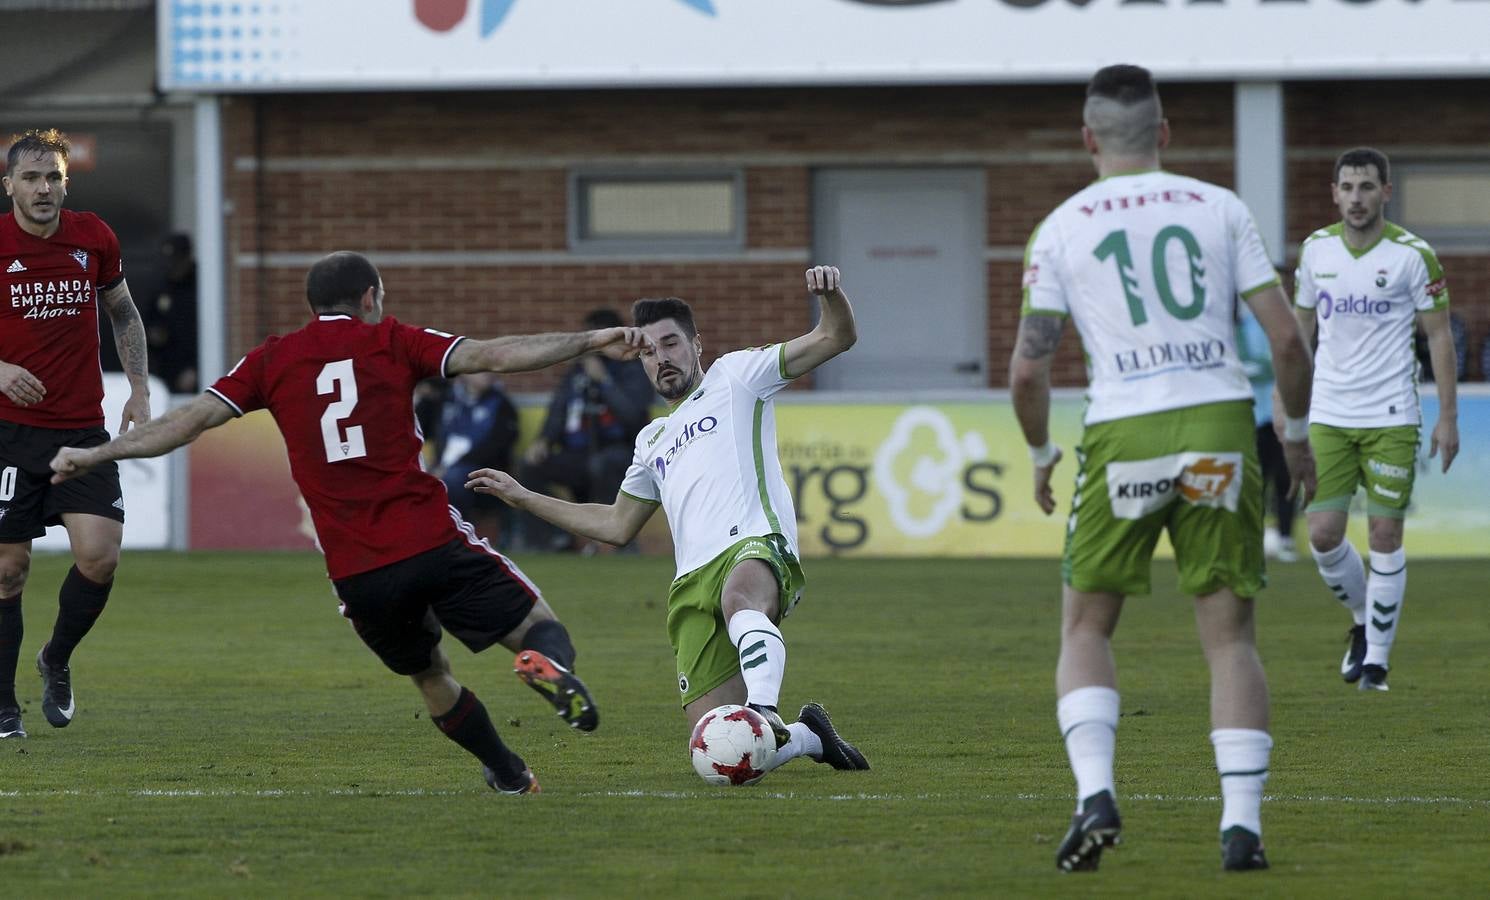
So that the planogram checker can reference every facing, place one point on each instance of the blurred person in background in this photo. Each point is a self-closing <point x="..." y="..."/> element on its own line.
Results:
<point x="1257" y="359"/>
<point x="477" y="427"/>
<point x="170" y="316"/>
<point x="585" y="446"/>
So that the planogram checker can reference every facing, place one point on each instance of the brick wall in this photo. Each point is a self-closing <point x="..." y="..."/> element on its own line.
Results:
<point x="487" y="172"/>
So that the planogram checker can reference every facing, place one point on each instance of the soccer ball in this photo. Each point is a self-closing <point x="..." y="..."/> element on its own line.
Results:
<point x="732" y="745"/>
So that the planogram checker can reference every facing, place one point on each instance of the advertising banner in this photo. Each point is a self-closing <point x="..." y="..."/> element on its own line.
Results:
<point x="261" y="45"/>
<point x="145" y="483"/>
<point x="939" y="478"/>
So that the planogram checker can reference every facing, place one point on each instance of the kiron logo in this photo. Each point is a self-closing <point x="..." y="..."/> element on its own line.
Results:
<point x="444" y="15"/>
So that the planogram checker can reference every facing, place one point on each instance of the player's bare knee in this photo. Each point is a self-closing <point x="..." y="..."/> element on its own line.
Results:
<point x="98" y="565"/>
<point x="13" y="571"/>
<point x="1326" y="536"/>
<point x="1386" y="534"/>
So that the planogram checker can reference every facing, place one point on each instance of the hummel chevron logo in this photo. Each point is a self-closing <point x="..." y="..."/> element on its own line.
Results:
<point x="1379" y="625"/>
<point x="1383" y="609"/>
<point x="15" y="267"/>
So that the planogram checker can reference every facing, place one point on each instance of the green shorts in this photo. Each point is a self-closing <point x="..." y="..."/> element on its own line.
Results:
<point x="1384" y="460"/>
<point x="705" y="654"/>
<point x="1193" y="471"/>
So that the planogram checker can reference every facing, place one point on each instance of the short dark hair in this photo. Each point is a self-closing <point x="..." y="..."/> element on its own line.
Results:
<point x="647" y="311"/>
<point x="37" y="141"/>
<point x="1360" y="157"/>
<point x="339" y="279"/>
<point x="1124" y="84"/>
<point x="604" y="317"/>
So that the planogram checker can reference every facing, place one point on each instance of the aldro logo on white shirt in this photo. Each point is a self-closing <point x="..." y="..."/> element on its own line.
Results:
<point x="691" y="432"/>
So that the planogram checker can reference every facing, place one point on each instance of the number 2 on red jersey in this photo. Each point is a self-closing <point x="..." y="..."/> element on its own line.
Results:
<point x="337" y="378"/>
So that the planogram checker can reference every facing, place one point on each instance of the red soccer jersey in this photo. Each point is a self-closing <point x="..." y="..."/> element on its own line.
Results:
<point x="49" y="316"/>
<point x="342" y="393"/>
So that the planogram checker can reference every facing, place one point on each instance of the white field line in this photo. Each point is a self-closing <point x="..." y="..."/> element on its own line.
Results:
<point x="767" y="795"/>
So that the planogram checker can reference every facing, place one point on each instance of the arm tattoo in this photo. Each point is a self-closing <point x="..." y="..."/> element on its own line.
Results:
<point x="1039" y="335"/>
<point x="129" y="330"/>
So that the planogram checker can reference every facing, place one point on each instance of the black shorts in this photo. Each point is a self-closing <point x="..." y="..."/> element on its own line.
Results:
<point x="29" y="502"/>
<point x="398" y="610"/>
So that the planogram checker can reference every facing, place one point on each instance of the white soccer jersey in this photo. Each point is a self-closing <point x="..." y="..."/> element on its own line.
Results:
<point x="712" y="461"/>
<point x="1366" y="303"/>
<point x="1149" y="267"/>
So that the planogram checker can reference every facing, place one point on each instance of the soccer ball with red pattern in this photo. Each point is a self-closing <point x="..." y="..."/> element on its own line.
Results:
<point x="732" y="745"/>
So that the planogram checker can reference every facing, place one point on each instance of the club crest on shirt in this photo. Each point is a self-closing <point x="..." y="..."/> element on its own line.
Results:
<point x="82" y="257"/>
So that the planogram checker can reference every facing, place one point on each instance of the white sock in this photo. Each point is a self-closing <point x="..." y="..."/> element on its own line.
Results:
<point x="803" y="743"/>
<point x="1242" y="760"/>
<point x="1384" y="590"/>
<point x="762" y="655"/>
<point x="1345" y="574"/>
<point x="1089" y="718"/>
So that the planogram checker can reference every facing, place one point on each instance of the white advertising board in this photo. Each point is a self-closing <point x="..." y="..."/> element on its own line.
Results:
<point x="277" y="45"/>
<point x="146" y="483"/>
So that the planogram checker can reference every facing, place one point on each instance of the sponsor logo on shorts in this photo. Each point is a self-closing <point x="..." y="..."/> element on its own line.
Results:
<point x="1387" y="492"/>
<point x="1140" y="487"/>
<point x="1350" y="305"/>
<point x="1387" y="470"/>
<point x="118" y="504"/>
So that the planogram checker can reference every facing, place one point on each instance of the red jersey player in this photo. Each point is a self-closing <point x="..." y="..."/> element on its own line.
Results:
<point x="403" y="563"/>
<point x="57" y="267"/>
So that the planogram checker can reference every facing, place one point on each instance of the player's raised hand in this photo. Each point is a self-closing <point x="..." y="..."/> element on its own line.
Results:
<point x="1044" y="495"/>
<point x="622" y="342"/>
<point x="496" y="483"/>
<point x="20" y="386"/>
<point x="70" y="462"/>
<point x="1445" y="438"/>
<point x="823" y="280"/>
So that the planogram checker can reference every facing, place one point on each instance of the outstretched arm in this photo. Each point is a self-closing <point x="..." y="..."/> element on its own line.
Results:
<point x="616" y="523"/>
<point x="1029" y="386"/>
<point x="129" y="339"/>
<point x="523" y="353"/>
<point x="154" y="438"/>
<point x="834" y="332"/>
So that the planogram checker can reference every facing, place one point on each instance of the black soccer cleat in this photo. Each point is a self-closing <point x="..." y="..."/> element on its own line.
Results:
<point x="779" y="730"/>
<point x="1355" y="654"/>
<point x="526" y="782"/>
<point x="560" y="687"/>
<point x="1094" y="827"/>
<point x="56" y="691"/>
<point x="1373" y="678"/>
<point x="10" y="723"/>
<point x="837" y="752"/>
<point x="1241" y="850"/>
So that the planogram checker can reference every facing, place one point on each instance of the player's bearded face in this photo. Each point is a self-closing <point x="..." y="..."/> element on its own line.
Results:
<point x="673" y="365"/>
<point x="37" y="187"/>
<point x="1360" y="195"/>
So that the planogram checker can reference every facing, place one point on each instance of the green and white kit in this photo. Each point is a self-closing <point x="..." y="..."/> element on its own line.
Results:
<point x="1150" y="266"/>
<point x="1364" y="415"/>
<point x="712" y="465"/>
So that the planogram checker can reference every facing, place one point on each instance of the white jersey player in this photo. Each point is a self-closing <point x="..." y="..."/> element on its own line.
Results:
<point x="1151" y="266"/>
<point x="1362" y="285"/>
<point x="711" y="464"/>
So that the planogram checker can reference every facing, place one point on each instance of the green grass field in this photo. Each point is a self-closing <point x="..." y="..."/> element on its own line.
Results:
<point x="234" y="738"/>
